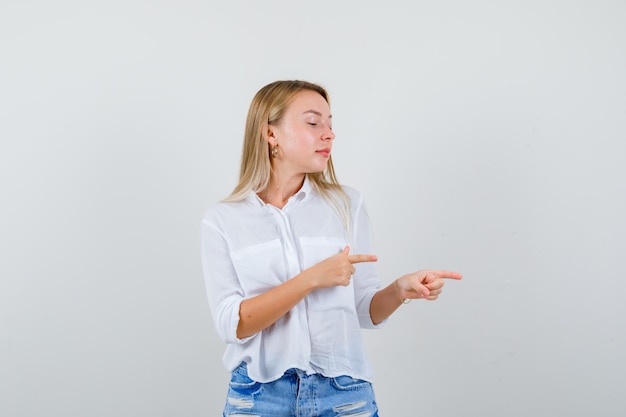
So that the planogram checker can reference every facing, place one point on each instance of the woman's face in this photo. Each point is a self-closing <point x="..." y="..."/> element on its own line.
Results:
<point x="304" y="135"/>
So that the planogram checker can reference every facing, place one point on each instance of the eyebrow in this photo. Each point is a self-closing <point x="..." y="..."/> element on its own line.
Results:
<point x="316" y="113"/>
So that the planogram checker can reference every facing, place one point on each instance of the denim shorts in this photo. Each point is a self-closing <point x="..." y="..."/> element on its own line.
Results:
<point x="299" y="395"/>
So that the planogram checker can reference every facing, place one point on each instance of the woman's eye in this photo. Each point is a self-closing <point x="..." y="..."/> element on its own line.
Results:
<point x="312" y="124"/>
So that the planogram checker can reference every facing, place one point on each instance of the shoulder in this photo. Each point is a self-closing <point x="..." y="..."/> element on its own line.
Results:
<point x="219" y="212"/>
<point x="354" y="195"/>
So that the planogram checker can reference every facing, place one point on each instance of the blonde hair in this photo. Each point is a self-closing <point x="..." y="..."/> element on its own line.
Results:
<point x="267" y="108"/>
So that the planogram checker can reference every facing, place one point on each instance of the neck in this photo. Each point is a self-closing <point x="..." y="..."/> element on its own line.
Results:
<point x="280" y="190"/>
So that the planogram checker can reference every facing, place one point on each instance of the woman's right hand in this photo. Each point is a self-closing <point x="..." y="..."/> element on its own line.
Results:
<point x="261" y="311"/>
<point x="336" y="270"/>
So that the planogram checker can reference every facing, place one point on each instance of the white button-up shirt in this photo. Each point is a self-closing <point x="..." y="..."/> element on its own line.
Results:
<point x="249" y="247"/>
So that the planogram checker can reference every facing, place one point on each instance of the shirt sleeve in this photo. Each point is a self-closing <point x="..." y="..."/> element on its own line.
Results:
<point x="222" y="285"/>
<point x="366" y="282"/>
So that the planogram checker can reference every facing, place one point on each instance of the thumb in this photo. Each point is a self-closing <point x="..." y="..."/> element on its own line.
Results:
<point x="422" y="290"/>
<point x="413" y="286"/>
<point x="346" y="250"/>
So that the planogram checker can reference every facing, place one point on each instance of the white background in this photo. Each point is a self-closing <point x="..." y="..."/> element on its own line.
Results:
<point x="488" y="138"/>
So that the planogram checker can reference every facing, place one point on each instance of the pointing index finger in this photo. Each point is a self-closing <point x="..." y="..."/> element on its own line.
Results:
<point x="355" y="259"/>
<point x="446" y="274"/>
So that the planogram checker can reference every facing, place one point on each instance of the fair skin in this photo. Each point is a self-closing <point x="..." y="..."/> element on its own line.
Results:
<point x="304" y="137"/>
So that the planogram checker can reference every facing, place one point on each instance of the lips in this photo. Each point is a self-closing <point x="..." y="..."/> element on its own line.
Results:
<point x="324" y="152"/>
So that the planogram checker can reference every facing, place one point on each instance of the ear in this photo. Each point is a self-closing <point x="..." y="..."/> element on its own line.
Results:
<point x="269" y="133"/>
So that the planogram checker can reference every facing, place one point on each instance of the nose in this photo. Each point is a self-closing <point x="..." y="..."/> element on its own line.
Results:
<point x="328" y="134"/>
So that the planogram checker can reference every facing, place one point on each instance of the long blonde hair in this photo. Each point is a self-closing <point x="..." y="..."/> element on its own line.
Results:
<point x="267" y="108"/>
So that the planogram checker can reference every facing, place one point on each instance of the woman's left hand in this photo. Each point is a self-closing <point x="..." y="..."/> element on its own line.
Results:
<point x="426" y="284"/>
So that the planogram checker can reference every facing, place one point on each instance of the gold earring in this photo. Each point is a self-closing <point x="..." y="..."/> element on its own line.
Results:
<point x="274" y="151"/>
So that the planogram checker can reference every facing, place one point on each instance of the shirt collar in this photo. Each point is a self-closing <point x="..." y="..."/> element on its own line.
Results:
<point x="305" y="191"/>
<point x="301" y="195"/>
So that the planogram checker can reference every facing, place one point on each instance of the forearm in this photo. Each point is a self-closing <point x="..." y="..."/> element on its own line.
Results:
<point x="426" y="284"/>
<point x="385" y="302"/>
<point x="258" y="313"/>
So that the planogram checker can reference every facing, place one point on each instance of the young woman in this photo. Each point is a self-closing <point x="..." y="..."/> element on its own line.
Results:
<point x="288" y="273"/>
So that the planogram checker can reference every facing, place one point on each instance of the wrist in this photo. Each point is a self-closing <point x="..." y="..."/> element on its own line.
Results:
<point x="399" y="291"/>
<point x="307" y="280"/>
